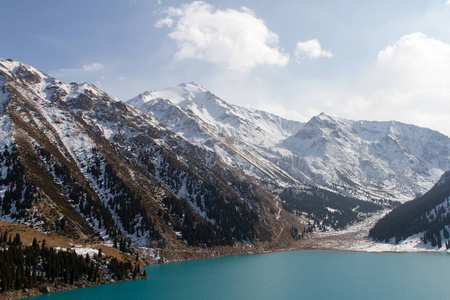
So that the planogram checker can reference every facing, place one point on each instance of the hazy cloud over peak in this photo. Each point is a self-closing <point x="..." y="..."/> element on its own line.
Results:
<point x="93" y="67"/>
<point x="235" y="39"/>
<point x="85" y="68"/>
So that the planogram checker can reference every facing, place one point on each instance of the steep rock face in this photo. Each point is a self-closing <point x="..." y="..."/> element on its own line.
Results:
<point x="75" y="156"/>
<point x="367" y="160"/>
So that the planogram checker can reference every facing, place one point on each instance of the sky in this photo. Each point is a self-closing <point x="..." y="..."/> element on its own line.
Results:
<point x="360" y="60"/>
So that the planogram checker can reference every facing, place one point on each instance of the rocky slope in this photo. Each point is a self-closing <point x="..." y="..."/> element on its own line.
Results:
<point x="78" y="161"/>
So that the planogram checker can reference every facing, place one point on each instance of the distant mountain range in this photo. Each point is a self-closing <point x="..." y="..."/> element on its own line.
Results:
<point x="180" y="169"/>
<point x="367" y="160"/>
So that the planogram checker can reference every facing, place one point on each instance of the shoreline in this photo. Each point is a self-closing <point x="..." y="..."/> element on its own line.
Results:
<point x="51" y="289"/>
<point x="313" y="243"/>
<point x="353" y="239"/>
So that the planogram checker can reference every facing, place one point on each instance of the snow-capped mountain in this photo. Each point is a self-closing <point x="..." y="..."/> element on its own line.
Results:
<point x="181" y="168"/>
<point x="368" y="160"/>
<point x="242" y="138"/>
<point x="76" y="160"/>
<point x="250" y="126"/>
<point x="387" y="160"/>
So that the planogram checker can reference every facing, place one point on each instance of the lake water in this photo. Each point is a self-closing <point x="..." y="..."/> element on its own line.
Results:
<point x="287" y="275"/>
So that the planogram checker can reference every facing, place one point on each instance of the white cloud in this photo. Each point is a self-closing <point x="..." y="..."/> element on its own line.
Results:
<point x="410" y="82"/>
<point x="448" y="2"/>
<point x="311" y="49"/>
<point x="235" y="39"/>
<point x="416" y="61"/>
<point x="164" y="22"/>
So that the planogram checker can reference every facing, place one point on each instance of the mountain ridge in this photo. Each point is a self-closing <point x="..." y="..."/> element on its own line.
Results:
<point x="193" y="172"/>
<point x="110" y="171"/>
<point x="379" y="152"/>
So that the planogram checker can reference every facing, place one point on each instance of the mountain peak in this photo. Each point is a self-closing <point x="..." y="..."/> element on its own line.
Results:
<point x="22" y="71"/>
<point x="323" y="117"/>
<point x="192" y="85"/>
<point x="182" y="92"/>
<point x="326" y="121"/>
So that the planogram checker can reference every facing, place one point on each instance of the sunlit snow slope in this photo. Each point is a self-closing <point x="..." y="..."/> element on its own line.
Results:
<point x="369" y="160"/>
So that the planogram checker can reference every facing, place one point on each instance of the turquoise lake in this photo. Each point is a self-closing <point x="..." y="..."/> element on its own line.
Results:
<point x="287" y="275"/>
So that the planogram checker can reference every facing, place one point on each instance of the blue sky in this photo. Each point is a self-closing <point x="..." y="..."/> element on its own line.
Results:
<point x="371" y="60"/>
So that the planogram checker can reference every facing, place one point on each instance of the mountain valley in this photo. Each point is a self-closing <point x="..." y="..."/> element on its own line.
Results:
<point x="180" y="174"/>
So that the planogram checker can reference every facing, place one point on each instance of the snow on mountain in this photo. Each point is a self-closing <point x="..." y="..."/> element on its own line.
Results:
<point x="381" y="160"/>
<point x="183" y="166"/>
<point x="385" y="159"/>
<point x="242" y="138"/>
<point x="42" y="103"/>
<point x="74" y="158"/>
<point x="250" y="126"/>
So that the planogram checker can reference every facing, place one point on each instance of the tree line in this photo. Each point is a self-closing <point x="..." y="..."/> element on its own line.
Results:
<point x="325" y="208"/>
<point x="30" y="266"/>
<point x="233" y="218"/>
<point x="429" y="214"/>
<point x="122" y="201"/>
<point x="19" y="192"/>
